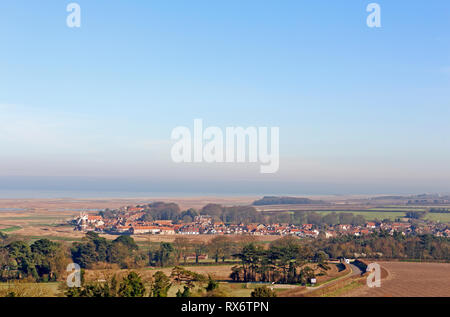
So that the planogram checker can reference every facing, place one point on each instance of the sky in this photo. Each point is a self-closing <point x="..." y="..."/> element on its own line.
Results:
<point x="360" y="110"/>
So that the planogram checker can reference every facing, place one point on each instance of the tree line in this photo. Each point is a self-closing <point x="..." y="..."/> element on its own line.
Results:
<point x="171" y="211"/>
<point x="132" y="284"/>
<point x="248" y="214"/>
<point x="95" y="249"/>
<point x="385" y="246"/>
<point x="439" y="210"/>
<point x="285" y="261"/>
<point x="42" y="261"/>
<point x="276" y="200"/>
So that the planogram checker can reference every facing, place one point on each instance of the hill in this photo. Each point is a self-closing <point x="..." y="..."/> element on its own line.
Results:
<point x="275" y="200"/>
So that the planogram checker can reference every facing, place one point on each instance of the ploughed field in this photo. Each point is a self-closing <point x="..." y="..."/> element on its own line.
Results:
<point x="408" y="279"/>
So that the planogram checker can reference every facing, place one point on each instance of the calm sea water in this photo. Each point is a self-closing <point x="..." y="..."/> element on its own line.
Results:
<point x="99" y="194"/>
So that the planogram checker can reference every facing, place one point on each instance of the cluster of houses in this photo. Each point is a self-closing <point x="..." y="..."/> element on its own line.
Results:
<point x="129" y="223"/>
<point x="404" y="227"/>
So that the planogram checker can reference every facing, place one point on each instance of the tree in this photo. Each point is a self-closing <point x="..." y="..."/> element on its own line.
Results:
<point x="182" y="246"/>
<point x="21" y="259"/>
<point x="345" y="218"/>
<point x="3" y="237"/>
<point x="200" y="248"/>
<point x="219" y="247"/>
<point x="279" y="263"/>
<point x="263" y="291"/>
<point x="96" y="249"/>
<point x="186" y="292"/>
<point x="163" y="255"/>
<point x="213" y="210"/>
<point x="188" y="215"/>
<point x="416" y="214"/>
<point x="84" y="254"/>
<point x="358" y="220"/>
<point x="180" y="275"/>
<point x="132" y="286"/>
<point x="162" y="211"/>
<point x="306" y="274"/>
<point x="49" y="259"/>
<point x="321" y="258"/>
<point x="331" y="219"/>
<point x="249" y="257"/>
<point x="127" y="241"/>
<point x="236" y="273"/>
<point x="161" y="285"/>
<point x="314" y="218"/>
<point x="212" y="284"/>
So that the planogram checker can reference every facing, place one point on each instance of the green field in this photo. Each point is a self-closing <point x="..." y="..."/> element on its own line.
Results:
<point x="397" y="209"/>
<point x="58" y="218"/>
<point x="370" y="215"/>
<point x="10" y="229"/>
<point x="392" y="215"/>
<point x="438" y="217"/>
<point x="53" y="238"/>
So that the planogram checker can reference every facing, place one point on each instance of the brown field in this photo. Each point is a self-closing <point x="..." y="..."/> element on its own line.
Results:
<point x="101" y="203"/>
<point x="409" y="280"/>
<point x="219" y="272"/>
<point x="36" y="218"/>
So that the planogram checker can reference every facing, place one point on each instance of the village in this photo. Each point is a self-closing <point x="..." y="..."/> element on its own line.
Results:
<point x="130" y="222"/>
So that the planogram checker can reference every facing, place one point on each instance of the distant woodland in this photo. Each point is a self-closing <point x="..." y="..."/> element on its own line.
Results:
<point x="275" y="200"/>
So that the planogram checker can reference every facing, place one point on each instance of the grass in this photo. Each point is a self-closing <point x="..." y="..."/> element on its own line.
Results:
<point x="239" y="289"/>
<point x="392" y="215"/>
<point x="31" y="289"/>
<point x="438" y="217"/>
<point x="11" y="229"/>
<point x="370" y="215"/>
<point x="54" y="238"/>
<point x="56" y="217"/>
<point x="231" y="289"/>
<point x="397" y="209"/>
<point x="346" y="288"/>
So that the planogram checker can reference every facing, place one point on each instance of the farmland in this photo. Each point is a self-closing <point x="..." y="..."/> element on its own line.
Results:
<point x="31" y="220"/>
<point x="376" y="214"/>
<point x="407" y="279"/>
<point x="34" y="218"/>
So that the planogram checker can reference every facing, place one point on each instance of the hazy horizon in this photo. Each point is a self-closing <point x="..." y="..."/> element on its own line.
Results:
<point x="360" y="110"/>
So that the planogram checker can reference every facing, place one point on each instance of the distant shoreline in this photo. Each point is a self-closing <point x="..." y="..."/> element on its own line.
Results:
<point x="63" y="194"/>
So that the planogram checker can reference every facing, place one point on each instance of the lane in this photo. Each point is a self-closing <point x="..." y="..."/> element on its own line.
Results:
<point x="354" y="271"/>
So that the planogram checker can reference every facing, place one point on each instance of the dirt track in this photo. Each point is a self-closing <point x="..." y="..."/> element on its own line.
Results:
<point x="410" y="280"/>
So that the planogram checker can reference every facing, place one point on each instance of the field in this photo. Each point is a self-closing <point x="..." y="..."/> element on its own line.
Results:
<point x="221" y="273"/>
<point x="36" y="218"/>
<point x="404" y="279"/>
<point x="407" y="279"/>
<point x="371" y="215"/>
<point x="47" y="218"/>
<point x="30" y="289"/>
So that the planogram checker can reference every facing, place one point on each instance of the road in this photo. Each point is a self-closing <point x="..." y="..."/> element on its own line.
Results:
<point x="355" y="271"/>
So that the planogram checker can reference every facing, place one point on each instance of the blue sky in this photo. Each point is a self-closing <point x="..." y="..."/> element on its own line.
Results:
<point x="360" y="110"/>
